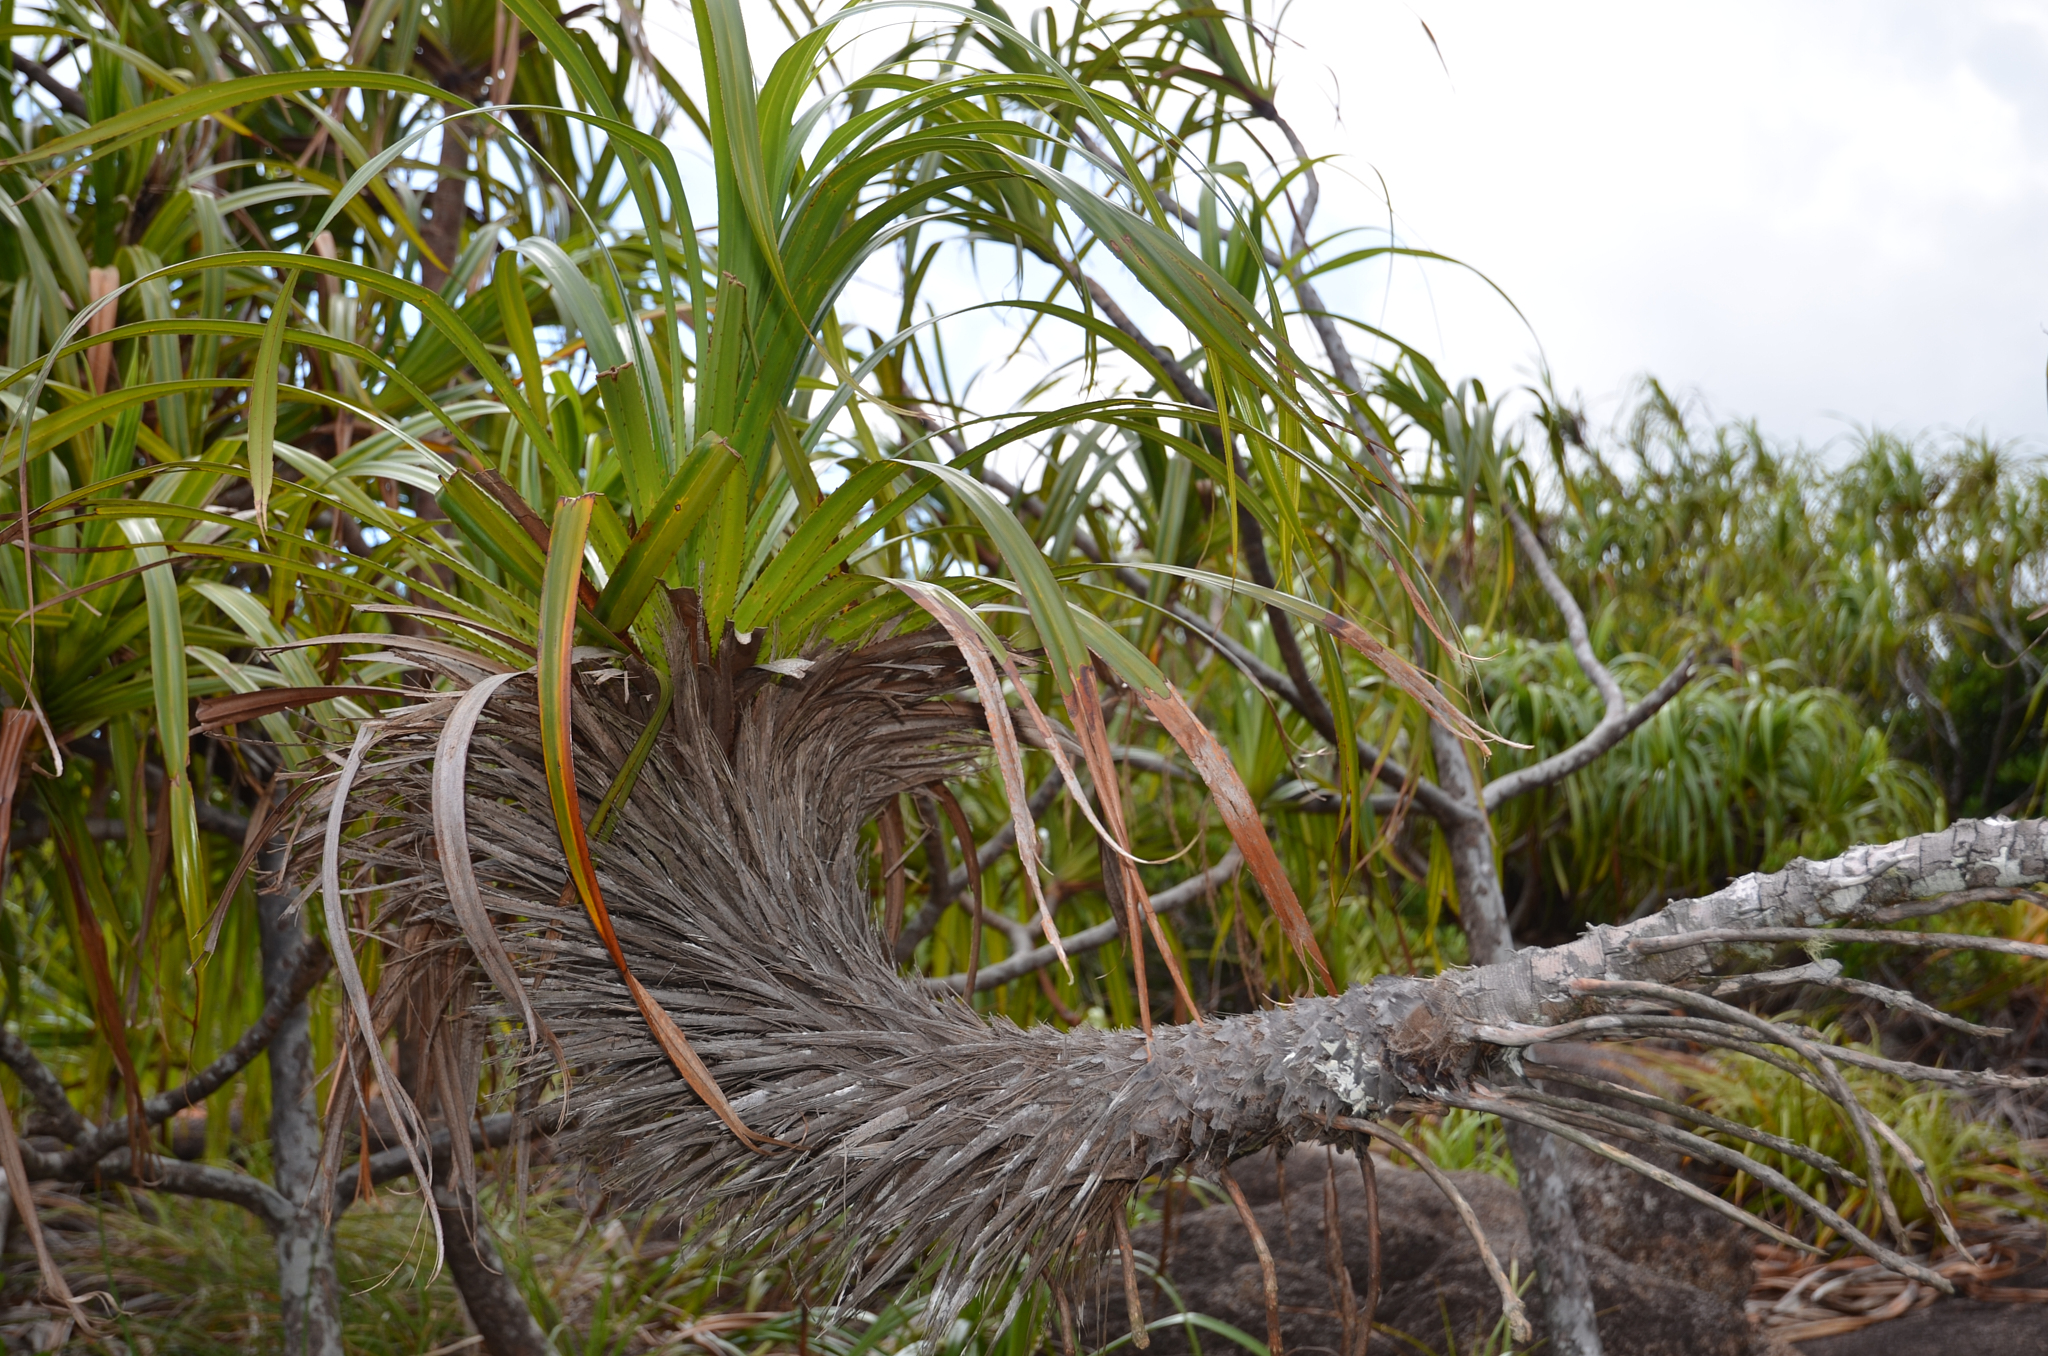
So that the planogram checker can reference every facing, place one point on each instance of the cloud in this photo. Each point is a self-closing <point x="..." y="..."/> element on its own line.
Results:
<point x="1815" y="214"/>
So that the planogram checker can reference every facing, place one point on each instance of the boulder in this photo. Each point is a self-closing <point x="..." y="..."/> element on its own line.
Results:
<point x="1669" y="1277"/>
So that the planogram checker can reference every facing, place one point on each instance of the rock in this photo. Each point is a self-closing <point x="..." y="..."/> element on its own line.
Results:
<point x="1669" y="1277"/>
<point x="1952" y="1327"/>
<point x="1654" y="1227"/>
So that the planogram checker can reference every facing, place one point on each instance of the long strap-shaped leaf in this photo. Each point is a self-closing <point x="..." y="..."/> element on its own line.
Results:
<point x="72" y="844"/>
<point x="451" y="840"/>
<point x="1399" y="671"/>
<point x="167" y="670"/>
<point x="1077" y="686"/>
<point x="405" y="1117"/>
<point x="146" y="120"/>
<point x="1212" y="763"/>
<point x="1091" y="728"/>
<point x="965" y="629"/>
<point x="263" y="398"/>
<point x="17" y="727"/>
<point x="557" y="640"/>
<point x="677" y="509"/>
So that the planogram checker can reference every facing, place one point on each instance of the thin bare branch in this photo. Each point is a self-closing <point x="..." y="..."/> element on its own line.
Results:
<point x="998" y="842"/>
<point x="1956" y="900"/>
<point x="1576" y="634"/>
<point x="1900" y="1001"/>
<point x="180" y="1178"/>
<point x="68" y="99"/>
<point x="1038" y="958"/>
<point x="45" y="1087"/>
<point x="211" y="818"/>
<point x="1827" y="974"/>
<point x="103" y="1153"/>
<point x="485" y="1132"/>
<point x="162" y="1174"/>
<point x="92" y="1146"/>
<point x="1621" y="718"/>
<point x="1598" y="741"/>
<point x="927" y="917"/>
<point x="1813" y="972"/>
<point x="1606" y="1025"/>
<point x="1935" y="1073"/>
<point x="941" y="891"/>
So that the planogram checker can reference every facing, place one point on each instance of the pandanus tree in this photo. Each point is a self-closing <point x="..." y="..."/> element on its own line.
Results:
<point x="265" y="392"/>
<point x="685" y="570"/>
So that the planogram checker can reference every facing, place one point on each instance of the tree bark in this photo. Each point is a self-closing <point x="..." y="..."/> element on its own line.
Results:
<point x="490" y="1298"/>
<point x="443" y="232"/>
<point x="308" y="1296"/>
<point x="495" y="1307"/>
<point x="1562" y="1276"/>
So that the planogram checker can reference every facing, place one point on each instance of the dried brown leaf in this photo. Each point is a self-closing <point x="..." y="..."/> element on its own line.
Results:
<point x="1241" y="816"/>
<point x="451" y="840"/>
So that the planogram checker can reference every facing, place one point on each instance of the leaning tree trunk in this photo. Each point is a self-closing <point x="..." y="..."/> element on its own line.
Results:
<point x="1562" y="1275"/>
<point x="308" y="1297"/>
<point x="907" y="1131"/>
<point x="490" y="1296"/>
<point x="496" y="1308"/>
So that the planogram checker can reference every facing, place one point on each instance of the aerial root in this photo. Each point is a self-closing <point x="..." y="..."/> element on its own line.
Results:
<point x="1815" y="1053"/>
<point x="1134" y="1307"/>
<point x="1065" y="1310"/>
<point x="1510" y="1303"/>
<point x="1370" y="1176"/>
<point x="1333" y="1254"/>
<point x="1267" y="1273"/>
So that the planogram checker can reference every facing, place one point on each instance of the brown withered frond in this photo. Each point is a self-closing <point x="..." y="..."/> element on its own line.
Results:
<point x="737" y="886"/>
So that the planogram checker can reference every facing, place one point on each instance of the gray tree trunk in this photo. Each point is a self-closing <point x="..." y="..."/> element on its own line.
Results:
<point x="490" y="1297"/>
<point x="1562" y="1275"/>
<point x="495" y="1307"/>
<point x="308" y="1296"/>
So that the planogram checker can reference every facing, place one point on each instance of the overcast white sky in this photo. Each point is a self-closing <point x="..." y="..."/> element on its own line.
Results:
<point x="1817" y="214"/>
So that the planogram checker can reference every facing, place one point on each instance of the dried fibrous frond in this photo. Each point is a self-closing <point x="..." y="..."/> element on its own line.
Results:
<point x="909" y="1131"/>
